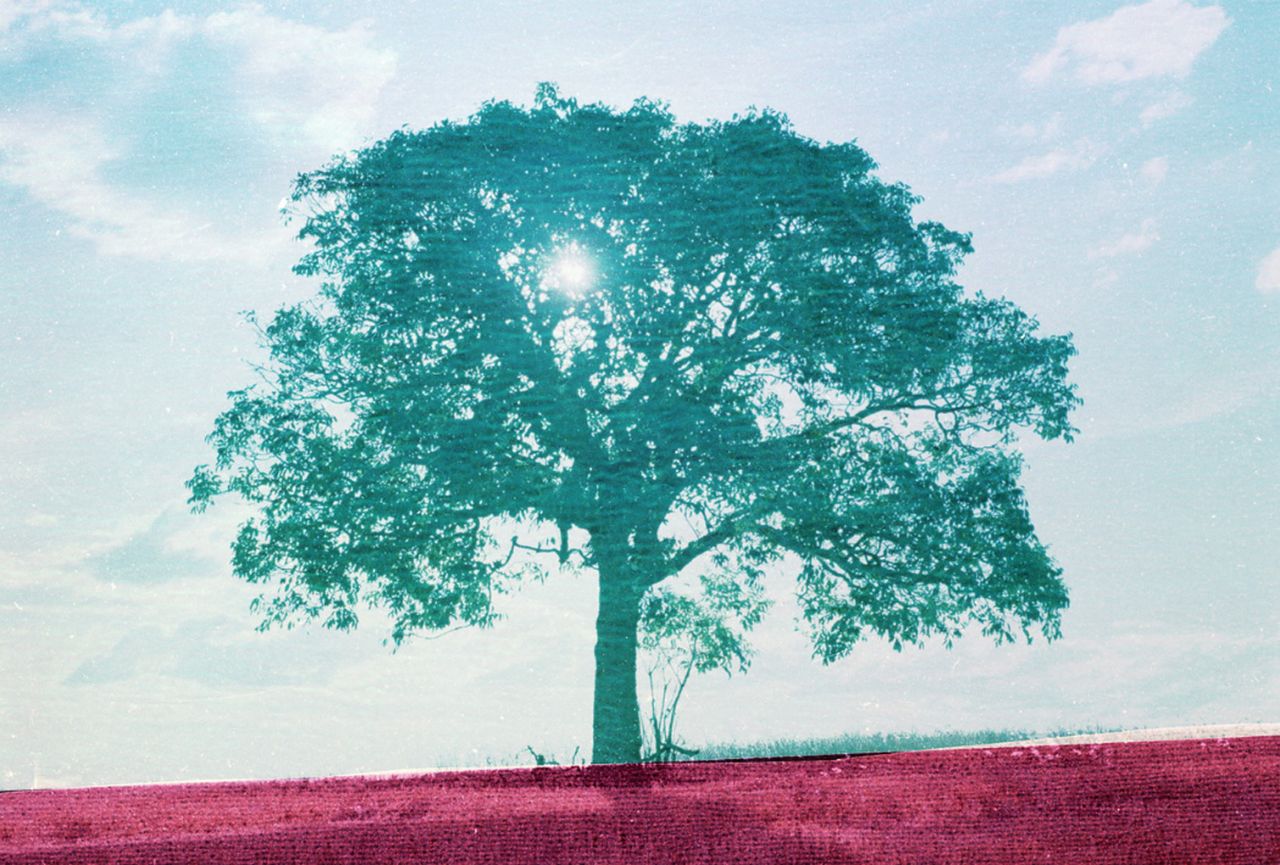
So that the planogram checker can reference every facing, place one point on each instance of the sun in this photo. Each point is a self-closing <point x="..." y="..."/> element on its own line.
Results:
<point x="571" y="270"/>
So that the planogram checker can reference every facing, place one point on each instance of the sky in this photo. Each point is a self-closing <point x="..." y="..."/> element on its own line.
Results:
<point x="1117" y="165"/>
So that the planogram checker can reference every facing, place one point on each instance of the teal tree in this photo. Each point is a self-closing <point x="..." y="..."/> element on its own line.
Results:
<point x="651" y="347"/>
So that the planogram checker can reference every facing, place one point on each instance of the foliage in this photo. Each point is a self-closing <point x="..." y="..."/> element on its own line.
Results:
<point x="682" y="633"/>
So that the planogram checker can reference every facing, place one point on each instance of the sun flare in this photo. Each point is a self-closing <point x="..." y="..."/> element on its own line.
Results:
<point x="571" y="270"/>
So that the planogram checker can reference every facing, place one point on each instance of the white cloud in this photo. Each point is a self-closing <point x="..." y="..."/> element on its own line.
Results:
<point x="299" y="77"/>
<point x="1202" y="400"/>
<point x="1268" y="281"/>
<point x="1166" y="107"/>
<point x="1105" y="277"/>
<point x="218" y="651"/>
<point x="1161" y="38"/>
<point x="297" y="80"/>
<point x="304" y="86"/>
<point x="1155" y="170"/>
<point x="70" y="21"/>
<point x="1076" y="158"/>
<point x="58" y="161"/>
<point x="1130" y="243"/>
<point x="13" y="11"/>
<point x="1046" y="131"/>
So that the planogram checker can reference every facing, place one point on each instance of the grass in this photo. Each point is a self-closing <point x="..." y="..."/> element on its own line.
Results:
<point x="871" y="743"/>
<point x="850" y="743"/>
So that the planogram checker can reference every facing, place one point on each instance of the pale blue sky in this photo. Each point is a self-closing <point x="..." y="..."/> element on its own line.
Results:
<point x="1119" y="167"/>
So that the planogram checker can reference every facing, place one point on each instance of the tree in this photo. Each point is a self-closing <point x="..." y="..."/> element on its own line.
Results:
<point x="638" y="347"/>
<point x="683" y="634"/>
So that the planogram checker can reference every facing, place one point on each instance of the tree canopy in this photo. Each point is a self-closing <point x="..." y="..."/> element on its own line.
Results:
<point x="649" y="346"/>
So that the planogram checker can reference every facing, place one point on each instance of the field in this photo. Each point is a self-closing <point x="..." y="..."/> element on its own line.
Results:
<point x="1211" y="800"/>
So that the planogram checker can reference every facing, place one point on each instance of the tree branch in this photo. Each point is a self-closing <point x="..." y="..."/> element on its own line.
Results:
<point x="683" y="557"/>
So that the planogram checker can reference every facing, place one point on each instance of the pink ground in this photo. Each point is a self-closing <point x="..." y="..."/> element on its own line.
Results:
<point x="1202" y="801"/>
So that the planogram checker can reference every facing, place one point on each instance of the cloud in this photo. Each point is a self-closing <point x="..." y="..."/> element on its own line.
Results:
<point x="1165" y="671"/>
<point x="59" y="162"/>
<point x="1076" y="158"/>
<point x="1268" y="281"/>
<point x="185" y="93"/>
<point x="68" y="20"/>
<point x="1105" y="277"/>
<point x="173" y="547"/>
<point x="1205" y="400"/>
<point x="1046" y="131"/>
<point x="13" y="11"/>
<point x="122" y="662"/>
<point x="1130" y="243"/>
<point x="1158" y="39"/>
<point x="297" y="80"/>
<point x="1218" y="398"/>
<point x="217" y="651"/>
<point x="297" y="77"/>
<point x="1163" y="108"/>
<point x="1155" y="170"/>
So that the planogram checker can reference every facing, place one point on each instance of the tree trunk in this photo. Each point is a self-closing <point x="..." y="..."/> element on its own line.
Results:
<point x="616" y="720"/>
